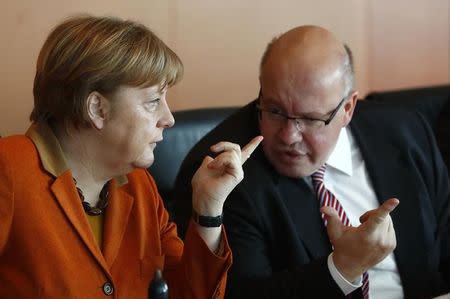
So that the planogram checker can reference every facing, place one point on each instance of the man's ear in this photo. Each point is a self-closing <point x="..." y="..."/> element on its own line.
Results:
<point x="349" y="107"/>
<point x="97" y="109"/>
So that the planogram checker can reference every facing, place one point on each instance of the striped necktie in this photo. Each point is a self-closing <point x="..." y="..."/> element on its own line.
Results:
<point x="326" y="198"/>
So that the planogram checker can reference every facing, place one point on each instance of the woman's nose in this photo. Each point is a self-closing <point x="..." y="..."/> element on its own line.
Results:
<point x="166" y="120"/>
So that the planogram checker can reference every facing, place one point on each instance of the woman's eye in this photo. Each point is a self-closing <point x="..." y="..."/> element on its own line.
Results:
<point x="152" y="105"/>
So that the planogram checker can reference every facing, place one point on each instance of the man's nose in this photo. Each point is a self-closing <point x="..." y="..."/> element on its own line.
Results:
<point x="289" y="132"/>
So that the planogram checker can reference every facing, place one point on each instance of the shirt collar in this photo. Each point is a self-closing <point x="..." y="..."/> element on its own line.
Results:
<point x="51" y="153"/>
<point x="340" y="157"/>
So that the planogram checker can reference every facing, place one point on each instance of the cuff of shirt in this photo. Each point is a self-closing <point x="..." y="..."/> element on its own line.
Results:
<point x="346" y="286"/>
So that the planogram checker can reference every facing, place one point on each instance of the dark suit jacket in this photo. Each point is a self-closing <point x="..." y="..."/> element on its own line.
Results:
<point x="443" y="132"/>
<point x="279" y="242"/>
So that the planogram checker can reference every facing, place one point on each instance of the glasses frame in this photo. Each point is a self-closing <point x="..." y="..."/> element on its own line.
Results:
<point x="297" y="119"/>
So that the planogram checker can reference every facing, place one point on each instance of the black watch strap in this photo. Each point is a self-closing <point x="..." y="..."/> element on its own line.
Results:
<point x="207" y="221"/>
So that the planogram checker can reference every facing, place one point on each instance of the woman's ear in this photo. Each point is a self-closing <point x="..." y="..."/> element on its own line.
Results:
<point x="97" y="109"/>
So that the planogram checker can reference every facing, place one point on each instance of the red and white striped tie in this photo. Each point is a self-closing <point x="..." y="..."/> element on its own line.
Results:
<point x="326" y="198"/>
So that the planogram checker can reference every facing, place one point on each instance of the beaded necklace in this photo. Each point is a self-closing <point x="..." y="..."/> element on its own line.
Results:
<point x="101" y="205"/>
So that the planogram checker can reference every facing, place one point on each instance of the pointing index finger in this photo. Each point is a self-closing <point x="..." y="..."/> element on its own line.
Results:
<point x="249" y="148"/>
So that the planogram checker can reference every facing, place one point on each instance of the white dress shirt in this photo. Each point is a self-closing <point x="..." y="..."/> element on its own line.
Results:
<point x="347" y="178"/>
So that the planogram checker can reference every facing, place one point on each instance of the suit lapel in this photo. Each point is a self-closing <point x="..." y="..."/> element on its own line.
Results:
<point x="116" y="221"/>
<point x="391" y="176"/>
<point x="303" y="209"/>
<point x="66" y="195"/>
<point x="383" y="159"/>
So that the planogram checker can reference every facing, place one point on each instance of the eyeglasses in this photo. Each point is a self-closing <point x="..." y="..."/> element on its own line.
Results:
<point x="301" y="123"/>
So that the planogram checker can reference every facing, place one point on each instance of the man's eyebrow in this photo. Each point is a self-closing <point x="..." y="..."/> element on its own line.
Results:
<point x="312" y="114"/>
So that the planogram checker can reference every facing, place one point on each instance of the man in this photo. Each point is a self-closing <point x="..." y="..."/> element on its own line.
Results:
<point x="282" y="246"/>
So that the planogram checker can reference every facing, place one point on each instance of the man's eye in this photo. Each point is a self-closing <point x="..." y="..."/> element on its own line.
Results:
<point x="311" y="122"/>
<point x="275" y="111"/>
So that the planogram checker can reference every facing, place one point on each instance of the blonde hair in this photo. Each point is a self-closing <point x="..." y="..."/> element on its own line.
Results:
<point x="85" y="54"/>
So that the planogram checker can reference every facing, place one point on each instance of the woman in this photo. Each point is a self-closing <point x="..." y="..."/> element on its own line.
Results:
<point x="79" y="215"/>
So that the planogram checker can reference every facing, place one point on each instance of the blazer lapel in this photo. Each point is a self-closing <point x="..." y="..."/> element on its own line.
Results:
<point x="304" y="211"/>
<point x="116" y="221"/>
<point x="65" y="192"/>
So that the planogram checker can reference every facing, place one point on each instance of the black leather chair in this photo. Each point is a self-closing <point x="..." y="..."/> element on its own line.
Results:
<point x="432" y="102"/>
<point x="429" y="101"/>
<point x="190" y="126"/>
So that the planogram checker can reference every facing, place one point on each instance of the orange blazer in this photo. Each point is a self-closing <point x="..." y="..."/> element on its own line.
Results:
<point x="48" y="250"/>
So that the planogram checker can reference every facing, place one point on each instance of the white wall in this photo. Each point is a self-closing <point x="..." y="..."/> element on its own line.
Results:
<point x="396" y="44"/>
<point x="221" y="44"/>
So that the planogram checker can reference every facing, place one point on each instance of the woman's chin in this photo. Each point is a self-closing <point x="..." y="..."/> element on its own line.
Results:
<point x="144" y="163"/>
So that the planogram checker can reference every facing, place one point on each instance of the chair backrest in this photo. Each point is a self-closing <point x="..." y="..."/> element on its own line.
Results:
<point x="190" y="126"/>
<point x="432" y="102"/>
<point x="429" y="101"/>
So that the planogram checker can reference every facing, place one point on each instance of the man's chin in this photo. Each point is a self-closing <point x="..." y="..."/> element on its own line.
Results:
<point x="293" y="173"/>
<point x="294" y="170"/>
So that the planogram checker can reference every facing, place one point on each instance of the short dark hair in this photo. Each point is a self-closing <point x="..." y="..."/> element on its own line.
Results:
<point x="349" y="71"/>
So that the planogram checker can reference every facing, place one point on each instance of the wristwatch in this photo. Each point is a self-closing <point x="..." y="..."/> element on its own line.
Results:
<point x="207" y="221"/>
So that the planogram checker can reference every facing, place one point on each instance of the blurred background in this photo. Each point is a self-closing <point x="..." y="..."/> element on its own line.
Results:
<point x="396" y="44"/>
